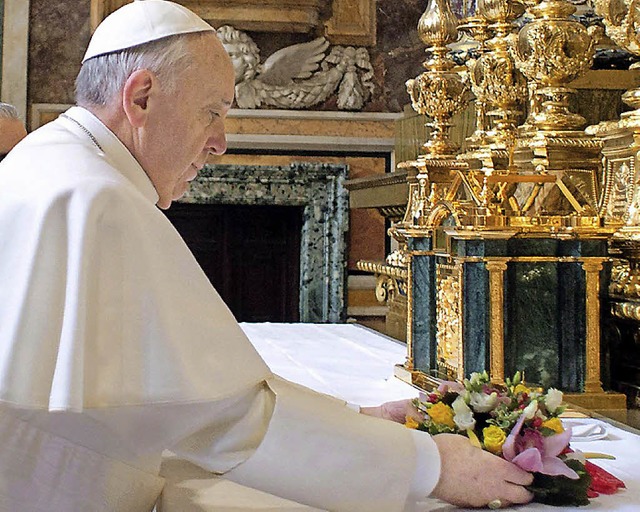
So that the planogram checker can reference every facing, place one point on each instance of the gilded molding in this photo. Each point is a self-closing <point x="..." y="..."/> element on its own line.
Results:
<point x="409" y="364"/>
<point x="346" y="22"/>
<point x="592" y="382"/>
<point x="381" y="268"/>
<point x="353" y="22"/>
<point x="260" y="15"/>
<point x="496" y="268"/>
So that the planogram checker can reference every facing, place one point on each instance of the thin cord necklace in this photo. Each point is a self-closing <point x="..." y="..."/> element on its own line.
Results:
<point x="85" y="130"/>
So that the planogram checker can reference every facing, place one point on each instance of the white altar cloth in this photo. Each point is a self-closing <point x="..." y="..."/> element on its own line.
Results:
<point x="356" y="364"/>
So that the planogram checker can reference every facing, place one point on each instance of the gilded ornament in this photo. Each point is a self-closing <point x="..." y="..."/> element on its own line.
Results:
<point x="552" y="51"/>
<point x="440" y="92"/>
<point x="449" y="321"/>
<point x="504" y="86"/>
<point x="478" y="28"/>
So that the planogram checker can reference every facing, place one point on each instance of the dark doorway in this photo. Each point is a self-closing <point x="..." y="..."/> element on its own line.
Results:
<point x="251" y="255"/>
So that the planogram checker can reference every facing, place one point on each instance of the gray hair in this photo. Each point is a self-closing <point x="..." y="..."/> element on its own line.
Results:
<point x="101" y="78"/>
<point x="8" y="111"/>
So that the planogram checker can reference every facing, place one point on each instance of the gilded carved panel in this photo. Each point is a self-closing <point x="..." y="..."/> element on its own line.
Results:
<point x="619" y="192"/>
<point x="449" y="347"/>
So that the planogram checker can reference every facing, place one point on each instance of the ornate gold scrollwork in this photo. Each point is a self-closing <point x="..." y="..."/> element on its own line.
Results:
<point x="552" y="51"/>
<point x="449" y="351"/>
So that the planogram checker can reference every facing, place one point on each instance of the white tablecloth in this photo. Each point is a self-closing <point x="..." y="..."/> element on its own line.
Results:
<point x="356" y="364"/>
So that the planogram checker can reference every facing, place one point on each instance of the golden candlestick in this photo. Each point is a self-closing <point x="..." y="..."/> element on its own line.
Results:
<point x="478" y="28"/>
<point x="504" y="84"/>
<point x="552" y="51"/>
<point x="440" y="92"/>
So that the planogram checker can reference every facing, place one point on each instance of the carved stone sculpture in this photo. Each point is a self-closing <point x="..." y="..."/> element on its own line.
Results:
<point x="298" y="76"/>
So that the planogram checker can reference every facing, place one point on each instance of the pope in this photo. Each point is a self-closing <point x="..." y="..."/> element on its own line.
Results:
<point x="115" y="347"/>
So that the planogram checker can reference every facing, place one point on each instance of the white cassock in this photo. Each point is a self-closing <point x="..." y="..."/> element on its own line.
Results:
<point x="114" y="346"/>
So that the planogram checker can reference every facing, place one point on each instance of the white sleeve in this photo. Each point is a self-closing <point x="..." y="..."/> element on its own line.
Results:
<point x="353" y="407"/>
<point x="278" y="437"/>
<point x="427" y="471"/>
<point x="318" y="452"/>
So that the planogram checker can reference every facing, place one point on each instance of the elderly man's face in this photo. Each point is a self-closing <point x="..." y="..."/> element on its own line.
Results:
<point x="12" y="131"/>
<point x="189" y="125"/>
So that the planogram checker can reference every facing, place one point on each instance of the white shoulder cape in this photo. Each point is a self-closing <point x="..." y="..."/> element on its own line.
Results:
<point x="101" y="302"/>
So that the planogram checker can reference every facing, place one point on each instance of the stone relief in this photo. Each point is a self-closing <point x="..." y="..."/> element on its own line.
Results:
<point x="298" y="76"/>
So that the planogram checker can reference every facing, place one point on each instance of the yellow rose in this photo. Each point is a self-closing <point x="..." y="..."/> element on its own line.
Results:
<point x="554" y="424"/>
<point x="411" y="423"/>
<point x="521" y="388"/>
<point x="494" y="438"/>
<point x="441" y="414"/>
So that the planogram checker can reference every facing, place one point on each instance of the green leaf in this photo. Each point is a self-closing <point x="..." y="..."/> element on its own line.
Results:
<point x="562" y="491"/>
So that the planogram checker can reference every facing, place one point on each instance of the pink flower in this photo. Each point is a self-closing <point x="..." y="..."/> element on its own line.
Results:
<point x="536" y="453"/>
<point x="530" y="438"/>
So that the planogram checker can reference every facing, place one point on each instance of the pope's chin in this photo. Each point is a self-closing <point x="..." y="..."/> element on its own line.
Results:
<point x="178" y="191"/>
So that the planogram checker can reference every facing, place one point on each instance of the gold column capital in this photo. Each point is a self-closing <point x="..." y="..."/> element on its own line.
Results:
<point x="592" y="265"/>
<point x="497" y="264"/>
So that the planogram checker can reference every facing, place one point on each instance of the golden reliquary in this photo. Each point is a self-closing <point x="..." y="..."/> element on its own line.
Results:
<point x="519" y="249"/>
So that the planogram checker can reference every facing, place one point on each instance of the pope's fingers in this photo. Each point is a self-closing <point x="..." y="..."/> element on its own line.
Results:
<point x="516" y="475"/>
<point x="508" y="471"/>
<point x="509" y="494"/>
<point x="412" y="412"/>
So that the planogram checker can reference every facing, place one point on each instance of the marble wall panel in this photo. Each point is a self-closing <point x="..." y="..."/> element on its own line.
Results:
<point x="60" y="31"/>
<point x="59" y="34"/>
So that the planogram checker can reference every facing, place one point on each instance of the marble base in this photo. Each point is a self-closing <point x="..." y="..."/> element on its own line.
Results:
<point x="609" y="404"/>
<point x="544" y="329"/>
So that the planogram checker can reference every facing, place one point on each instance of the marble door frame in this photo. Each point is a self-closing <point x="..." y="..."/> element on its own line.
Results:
<point x="316" y="187"/>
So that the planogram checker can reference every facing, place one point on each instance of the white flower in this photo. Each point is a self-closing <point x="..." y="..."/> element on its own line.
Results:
<point x="481" y="402"/>
<point x="553" y="399"/>
<point x="530" y="410"/>
<point x="575" y="455"/>
<point x="476" y="378"/>
<point x="463" y="416"/>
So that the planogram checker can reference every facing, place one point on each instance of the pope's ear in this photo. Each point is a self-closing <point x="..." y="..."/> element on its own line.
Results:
<point x="135" y="96"/>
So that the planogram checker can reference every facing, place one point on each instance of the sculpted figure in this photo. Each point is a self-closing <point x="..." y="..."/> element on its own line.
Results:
<point x="297" y="76"/>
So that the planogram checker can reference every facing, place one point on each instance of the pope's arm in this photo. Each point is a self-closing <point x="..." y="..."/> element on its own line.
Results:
<point x="292" y="442"/>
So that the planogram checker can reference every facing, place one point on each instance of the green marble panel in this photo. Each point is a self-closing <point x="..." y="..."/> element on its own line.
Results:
<point x="424" y="307"/>
<point x="532" y="327"/>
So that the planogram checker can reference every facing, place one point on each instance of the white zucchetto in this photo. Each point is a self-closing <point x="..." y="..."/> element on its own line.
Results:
<point x="143" y="21"/>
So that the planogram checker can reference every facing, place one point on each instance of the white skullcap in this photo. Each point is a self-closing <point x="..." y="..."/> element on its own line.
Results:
<point x="141" y="22"/>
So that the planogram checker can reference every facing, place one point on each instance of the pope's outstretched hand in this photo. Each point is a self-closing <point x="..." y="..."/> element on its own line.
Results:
<point x="471" y="477"/>
<point x="397" y="411"/>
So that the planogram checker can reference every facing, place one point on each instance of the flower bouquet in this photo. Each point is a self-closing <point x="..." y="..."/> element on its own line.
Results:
<point x="522" y="425"/>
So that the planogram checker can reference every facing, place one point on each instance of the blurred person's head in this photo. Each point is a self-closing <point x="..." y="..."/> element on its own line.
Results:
<point x="12" y="128"/>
